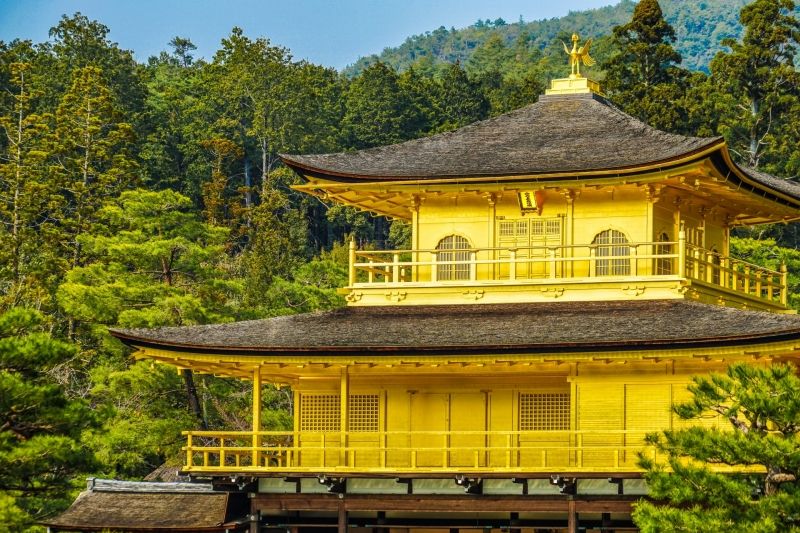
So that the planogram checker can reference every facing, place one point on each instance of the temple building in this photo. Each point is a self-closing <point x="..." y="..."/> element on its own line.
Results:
<point x="569" y="271"/>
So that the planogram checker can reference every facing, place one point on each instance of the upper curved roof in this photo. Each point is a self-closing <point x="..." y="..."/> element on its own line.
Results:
<point x="574" y="133"/>
<point x="559" y="134"/>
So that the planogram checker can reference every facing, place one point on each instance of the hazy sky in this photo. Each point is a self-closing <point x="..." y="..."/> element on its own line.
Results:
<point x="329" y="32"/>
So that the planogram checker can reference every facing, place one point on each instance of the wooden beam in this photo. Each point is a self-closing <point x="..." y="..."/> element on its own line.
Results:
<point x="441" y="503"/>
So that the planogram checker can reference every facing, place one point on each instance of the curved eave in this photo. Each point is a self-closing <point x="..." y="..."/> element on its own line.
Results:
<point x="737" y="174"/>
<point x="469" y="350"/>
<point x="309" y="171"/>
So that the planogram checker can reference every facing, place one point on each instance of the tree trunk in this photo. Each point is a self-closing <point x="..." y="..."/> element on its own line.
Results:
<point x="194" y="399"/>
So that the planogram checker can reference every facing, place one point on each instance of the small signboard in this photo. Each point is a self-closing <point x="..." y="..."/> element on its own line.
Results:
<point x="528" y="201"/>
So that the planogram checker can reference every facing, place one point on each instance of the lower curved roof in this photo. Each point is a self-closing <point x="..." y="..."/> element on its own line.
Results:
<point x="477" y="329"/>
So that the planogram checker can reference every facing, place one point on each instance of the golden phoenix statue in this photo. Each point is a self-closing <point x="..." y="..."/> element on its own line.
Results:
<point x="576" y="55"/>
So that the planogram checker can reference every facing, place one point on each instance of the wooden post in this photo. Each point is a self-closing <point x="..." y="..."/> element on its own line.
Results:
<point x="572" y="517"/>
<point x="344" y="396"/>
<point x="512" y="267"/>
<point x="342" y="522"/>
<point x="256" y="417"/>
<point x="255" y="521"/>
<point x="189" y="460"/>
<point x="682" y="253"/>
<point x="784" y="284"/>
<point x="352" y="263"/>
<point x="473" y="265"/>
<point x="396" y="267"/>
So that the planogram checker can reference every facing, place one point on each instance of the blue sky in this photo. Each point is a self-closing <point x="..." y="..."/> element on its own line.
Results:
<point x="328" y="32"/>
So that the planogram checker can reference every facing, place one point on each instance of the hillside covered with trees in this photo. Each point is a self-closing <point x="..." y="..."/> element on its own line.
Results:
<point x="152" y="194"/>
<point x="700" y="27"/>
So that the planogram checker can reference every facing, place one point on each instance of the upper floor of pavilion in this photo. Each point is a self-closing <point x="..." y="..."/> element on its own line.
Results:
<point x="567" y="198"/>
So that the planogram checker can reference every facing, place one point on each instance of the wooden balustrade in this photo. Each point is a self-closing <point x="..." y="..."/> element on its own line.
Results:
<point x="573" y="263"/>
<point x="419" y="451"/>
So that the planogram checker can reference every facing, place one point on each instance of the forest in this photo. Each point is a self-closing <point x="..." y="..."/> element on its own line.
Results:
<point x="152" y="194"/>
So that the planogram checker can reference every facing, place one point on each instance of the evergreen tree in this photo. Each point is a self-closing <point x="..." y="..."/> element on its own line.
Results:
<point x="40" y="428"/>
<point x="642" y="77"/>
<point x="150" y="262"/>
<point x="175" y="125"/>
<point x="460" y="100"/>
<point x="92" y="150"/>
<point x="761" y="407"/>
<point x="26" y="198"/>
<point x="376" y="109"/>
<point x="761" y="83"/>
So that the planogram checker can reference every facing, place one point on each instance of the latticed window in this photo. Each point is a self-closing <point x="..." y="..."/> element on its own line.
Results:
<point x="454" y="249"/>
<point x="612" y="244"/>
<point x="543" y="411"/>
<point x="363" y="413"/>
<point x="663" y="264"/>
<point x="322" y="412"/>
<point x="319" y="412"/>
<point x="547" y="227"/>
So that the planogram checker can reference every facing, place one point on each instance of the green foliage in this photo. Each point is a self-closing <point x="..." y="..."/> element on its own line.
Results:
<point x="761" y="406"/>
<point x="377" y="109"/>
<point x="642" y="74"/>
<point x="40" y="428"/>
<point x="151" y="263"/>
<point x="760" y="81"/>
<point x="766" y="252"/>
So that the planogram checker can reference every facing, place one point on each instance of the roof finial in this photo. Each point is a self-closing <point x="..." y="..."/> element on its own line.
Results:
<point x="576" y="55"/>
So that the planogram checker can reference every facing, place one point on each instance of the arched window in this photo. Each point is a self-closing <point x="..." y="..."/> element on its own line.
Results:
<point x="613" y="245"/>
<point x="454" y="250"/>
<point x="663" y="264"/>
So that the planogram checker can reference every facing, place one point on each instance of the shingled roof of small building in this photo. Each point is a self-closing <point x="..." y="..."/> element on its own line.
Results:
<point x="110" y="505"/>
<point x="475" y="329"/>
<point x="559" y="134"/>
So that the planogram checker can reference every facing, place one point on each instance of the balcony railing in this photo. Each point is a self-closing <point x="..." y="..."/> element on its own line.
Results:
<point x="394" y="452"/>
<point x="547" y="265"/>
<point x="420" y="452"/>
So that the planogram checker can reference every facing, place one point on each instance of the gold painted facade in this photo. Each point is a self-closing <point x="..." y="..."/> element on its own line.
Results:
<point x="646" y="233"/>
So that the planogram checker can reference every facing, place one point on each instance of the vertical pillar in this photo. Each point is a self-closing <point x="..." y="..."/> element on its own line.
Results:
<point x="492" y="240"/>
<point x="351" y="269"/>
<point x="569" y="231"/>
<point x="256" y="417"/>
<point x="255" y="522"/>
<point x="342" y="521"/>
<point x="653" y="193"/>
<point x="415" y="257"/>
<point x="572" y="517"/>
<point x="293" y="458"/>
<point x="344" y="397"/>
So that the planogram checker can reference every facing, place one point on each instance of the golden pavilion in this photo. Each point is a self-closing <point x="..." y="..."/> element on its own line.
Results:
<point x="569" y="271"/>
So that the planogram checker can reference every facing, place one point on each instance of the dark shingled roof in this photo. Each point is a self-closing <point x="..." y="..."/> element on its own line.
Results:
<point x="560" y="134"/>
<point x="556" y="134"/>
<point x="140" y="506"/>
<point x="471" y="328"/>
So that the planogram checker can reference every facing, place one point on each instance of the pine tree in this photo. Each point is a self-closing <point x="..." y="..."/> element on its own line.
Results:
<point x="376" y="109"/>
<point x="760" y="405"/>
<point x="92" y="150"/>
<point x="460" y="100"/>
<point x="26" y="197"/>
<point x="760" y="81"/>
<point x="642" y="76"/>
<point x="149" y="262"/>
<point x="40" y="428"/>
